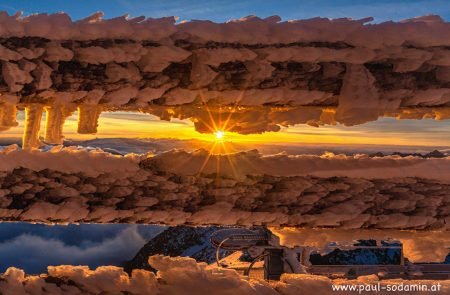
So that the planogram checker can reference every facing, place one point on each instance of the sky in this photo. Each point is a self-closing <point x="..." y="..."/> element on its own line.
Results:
<point x="223" y="10"/>
<point x="385" y="131"/>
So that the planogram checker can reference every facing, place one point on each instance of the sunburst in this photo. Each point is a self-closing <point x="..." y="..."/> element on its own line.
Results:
<point x="219" y="135"/>
<point x="219" y="127"/>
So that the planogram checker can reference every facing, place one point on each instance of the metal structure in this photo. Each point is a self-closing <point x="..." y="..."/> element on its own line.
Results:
<point x="261" y="245"/>
<point x="257" y="241"/>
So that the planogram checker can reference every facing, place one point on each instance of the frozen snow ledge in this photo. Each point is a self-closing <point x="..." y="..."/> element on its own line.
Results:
<point x="359" y="192"/>
<point x="364" y="69"/>
<point x="68" y="160"/>
<point x="428" y="30"/>
<point x="178" y="276"/>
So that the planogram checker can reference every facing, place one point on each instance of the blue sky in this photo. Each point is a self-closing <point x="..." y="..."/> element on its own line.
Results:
<point x="222" y="10"/>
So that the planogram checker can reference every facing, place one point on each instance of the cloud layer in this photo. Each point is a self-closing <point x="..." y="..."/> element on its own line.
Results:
<point x="30" y="251"/>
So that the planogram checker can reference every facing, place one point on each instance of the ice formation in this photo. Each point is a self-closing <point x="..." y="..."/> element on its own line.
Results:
<point x="350" y="64"/>
<point x="177" y="275"/>
<point x="260" y="73"/>
<point x="353" y="70"/>
<point x="77" y="185"/>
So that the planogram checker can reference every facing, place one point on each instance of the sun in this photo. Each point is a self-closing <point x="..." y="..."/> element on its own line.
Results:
<point x="219" y="134"/>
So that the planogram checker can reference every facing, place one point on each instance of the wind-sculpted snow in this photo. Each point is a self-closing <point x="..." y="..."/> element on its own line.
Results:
<point x="68" y="160"/>
<point x="75" y="185"/>
<point x="260" y="119"/>
<point x="314" y="72"/>
<point x="362" y="69"/>
<point x="178" y="275"/>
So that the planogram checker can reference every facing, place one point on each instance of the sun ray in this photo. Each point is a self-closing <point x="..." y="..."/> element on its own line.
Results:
<point x="233" y="169"/>
<point x="233" y="110"/>
<point x="211" y="118"/>
<point x="205" y="162"/>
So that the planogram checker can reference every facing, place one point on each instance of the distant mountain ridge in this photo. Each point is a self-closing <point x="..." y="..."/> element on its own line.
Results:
<point x="433" y="154"/>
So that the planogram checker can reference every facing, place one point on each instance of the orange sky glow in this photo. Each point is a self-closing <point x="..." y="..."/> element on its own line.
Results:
<point x="386" y="131"/>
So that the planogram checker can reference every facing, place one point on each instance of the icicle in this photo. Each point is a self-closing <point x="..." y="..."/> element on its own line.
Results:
<point x="33" y="116"/>
<point x="88" y="116"/>
<point x="8" y="113"/>
<point x="56" y="115"/>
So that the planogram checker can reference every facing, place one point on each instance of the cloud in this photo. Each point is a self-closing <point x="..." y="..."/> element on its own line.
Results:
<point x="159" y="145"/>
<point x="137" y="145"/>
<point x="34" y="251"/>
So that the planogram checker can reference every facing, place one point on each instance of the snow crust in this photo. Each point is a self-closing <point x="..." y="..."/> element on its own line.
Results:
<point x="421" y="31"/>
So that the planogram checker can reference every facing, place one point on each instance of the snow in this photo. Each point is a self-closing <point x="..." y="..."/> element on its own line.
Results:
<point x="14" y="77"/>
<point x="328" y="165"/>
<point x="120" y="96"/>
<point x="88" y="116"/>
<point x="347" y="192"/>
<point x="68" y="160"/>
<point x="33" y="116"/>
<point x="177" y="275"/>
<point x="248" y="61"/>
<point x="158" y="58"/>
<point x="359" y="98"/>
<point x="55" y="118"/>
<point x="422" y="31"/>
